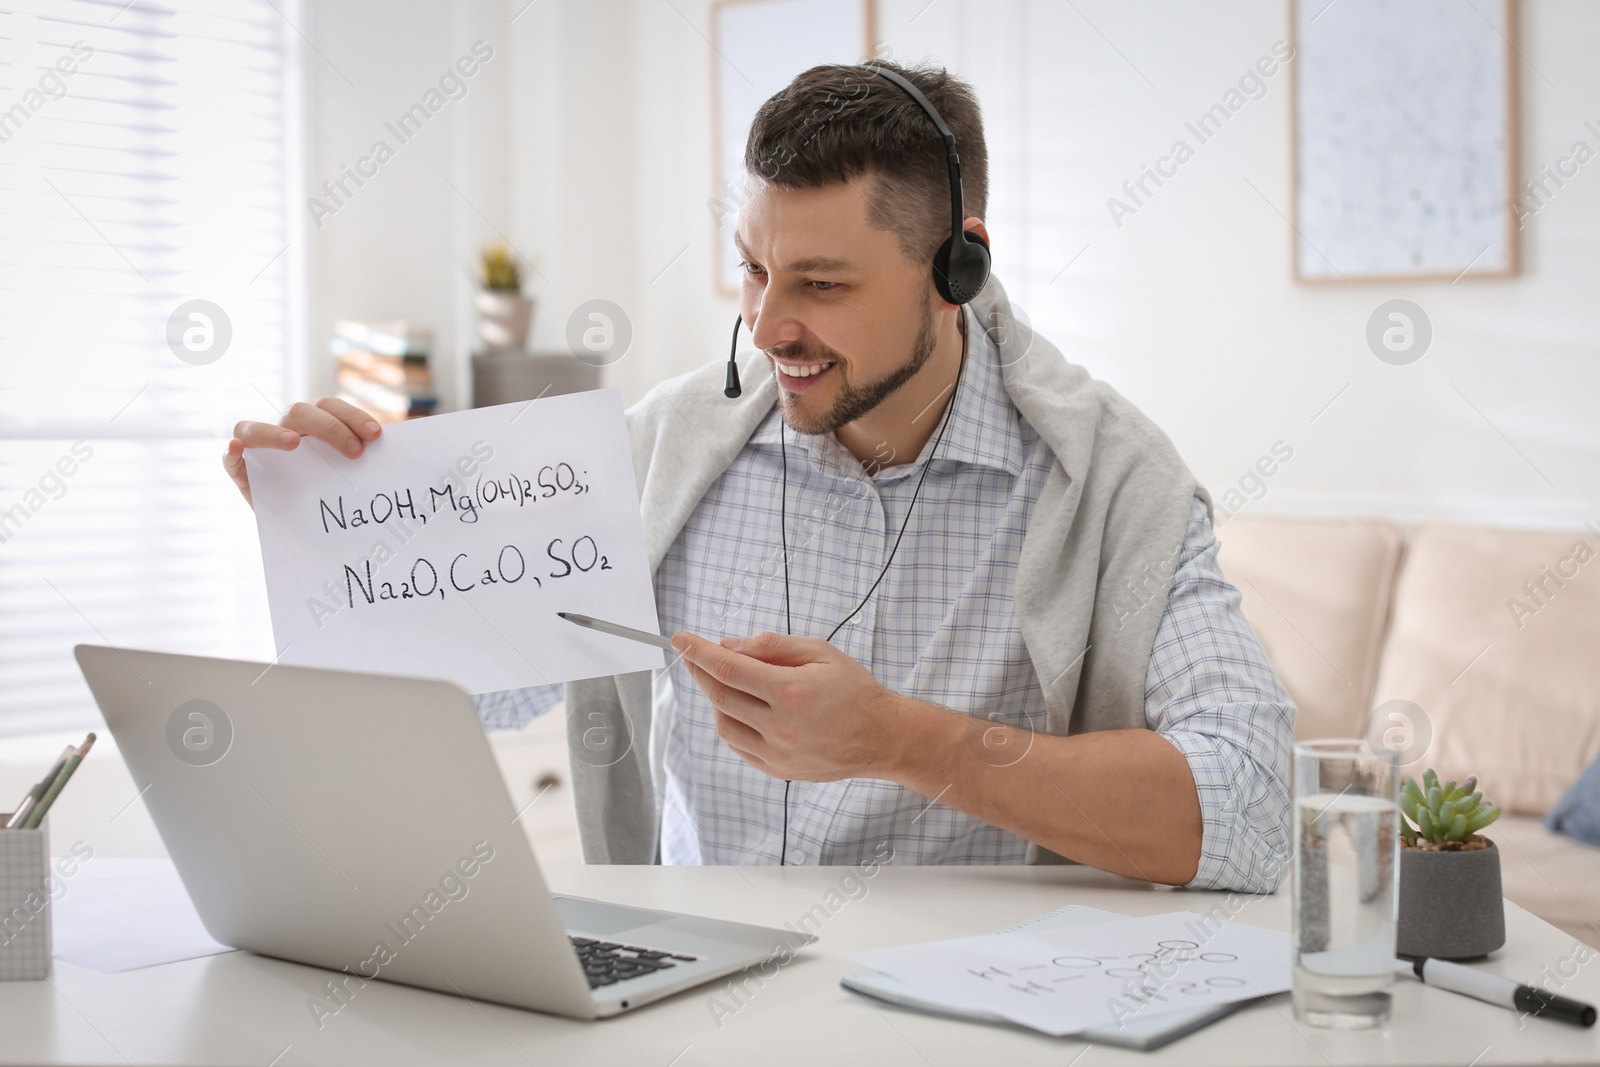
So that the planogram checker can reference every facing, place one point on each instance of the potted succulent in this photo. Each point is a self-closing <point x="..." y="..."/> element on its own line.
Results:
<point x="1450" y="903"/>
<point x="504" y="314"/>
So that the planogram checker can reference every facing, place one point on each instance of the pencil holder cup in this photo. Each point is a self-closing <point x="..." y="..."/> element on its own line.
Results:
<point x="24" y="902"/>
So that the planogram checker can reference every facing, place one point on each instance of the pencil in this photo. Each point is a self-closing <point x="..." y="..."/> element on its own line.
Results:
<point x="37" y="815"/>
<point x="31" y="799"/>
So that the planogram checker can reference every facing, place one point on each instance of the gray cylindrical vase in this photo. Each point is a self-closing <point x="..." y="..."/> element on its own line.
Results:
<point x="1451" y="907"/>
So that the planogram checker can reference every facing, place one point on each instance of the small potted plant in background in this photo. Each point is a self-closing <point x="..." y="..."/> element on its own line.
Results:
<point x="504" y="314"/>
<point x="1450" y="903"/>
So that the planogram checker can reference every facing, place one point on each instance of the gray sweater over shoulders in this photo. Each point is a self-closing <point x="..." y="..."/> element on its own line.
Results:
<point x="1105" y="536"/>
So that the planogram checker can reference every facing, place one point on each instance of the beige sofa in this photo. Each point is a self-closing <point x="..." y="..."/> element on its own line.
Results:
<point x="1476" y="650"/>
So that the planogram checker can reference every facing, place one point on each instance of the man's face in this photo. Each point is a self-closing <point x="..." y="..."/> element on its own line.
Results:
<point x="823" y="288"/>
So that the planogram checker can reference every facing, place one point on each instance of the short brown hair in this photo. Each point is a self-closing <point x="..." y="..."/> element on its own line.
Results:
<point x="836" y="123"/>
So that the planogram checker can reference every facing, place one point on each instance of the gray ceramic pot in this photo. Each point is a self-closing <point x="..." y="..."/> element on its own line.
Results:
<point x="1450" y="904"/>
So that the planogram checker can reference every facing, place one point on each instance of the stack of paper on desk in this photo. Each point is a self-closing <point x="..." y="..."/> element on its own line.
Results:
<point x="1138" y="982"/>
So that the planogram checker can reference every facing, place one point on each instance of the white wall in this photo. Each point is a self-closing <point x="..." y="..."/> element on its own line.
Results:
<point x="602" y="144"/>
<point x="403" y="244"/>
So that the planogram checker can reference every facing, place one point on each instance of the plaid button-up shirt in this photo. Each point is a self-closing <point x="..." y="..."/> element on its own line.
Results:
<point x="940" y="627"/>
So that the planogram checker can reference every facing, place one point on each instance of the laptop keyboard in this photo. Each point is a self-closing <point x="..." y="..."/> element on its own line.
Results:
<point x="608" y="962"/>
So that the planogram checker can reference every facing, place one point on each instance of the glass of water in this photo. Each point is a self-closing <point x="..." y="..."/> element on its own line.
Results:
<point x="1346" y="881"/>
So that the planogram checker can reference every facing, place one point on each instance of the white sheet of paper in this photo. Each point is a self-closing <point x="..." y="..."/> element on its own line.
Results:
<point x="121" y="914"/>
<point x="446" y="549"/>
<point x="1144" y="1031"/>
<point x="1067" y="980"/>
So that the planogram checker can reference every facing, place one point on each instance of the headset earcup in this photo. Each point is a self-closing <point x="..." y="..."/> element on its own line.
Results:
<point x="960" y="271"/>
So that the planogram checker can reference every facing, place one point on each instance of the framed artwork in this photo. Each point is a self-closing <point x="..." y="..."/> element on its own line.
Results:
<point x="1404" y="137"/>
<point x="757" y="47"/>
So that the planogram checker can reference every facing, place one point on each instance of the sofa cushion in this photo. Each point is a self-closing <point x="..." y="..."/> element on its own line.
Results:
<point x="1550" y="874"/>
<point x="1495" y="637"/>
<point x="1317" y="592"/>
<point x="1577" y="813"/>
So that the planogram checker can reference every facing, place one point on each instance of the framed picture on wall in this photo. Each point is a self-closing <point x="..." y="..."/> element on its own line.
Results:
<point x="1404" y="139"/>
<point x="757" y="47"/>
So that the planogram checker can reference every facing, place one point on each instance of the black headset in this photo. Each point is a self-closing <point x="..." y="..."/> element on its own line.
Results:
<point x="960" y="266"/>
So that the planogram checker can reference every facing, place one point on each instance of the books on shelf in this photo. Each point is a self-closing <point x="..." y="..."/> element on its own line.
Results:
<point x="396" y="337"/>
<point x="383" y="368"/>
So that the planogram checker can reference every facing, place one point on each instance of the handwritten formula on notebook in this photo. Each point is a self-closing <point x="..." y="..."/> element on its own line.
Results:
<point x="1105" y="975"/>
<point x="446" y="549"/>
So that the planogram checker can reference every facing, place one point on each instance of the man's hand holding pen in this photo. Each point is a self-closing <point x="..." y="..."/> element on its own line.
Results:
<point x="797" y="707"/>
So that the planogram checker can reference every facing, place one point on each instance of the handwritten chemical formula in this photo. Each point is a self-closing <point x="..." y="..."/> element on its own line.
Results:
<point x="450" y="544"/>
<point x="510" y="566"/>
<point x="465" y="503"/>
<point x="1066" y="979"/>
<point x="1145" y="975"/>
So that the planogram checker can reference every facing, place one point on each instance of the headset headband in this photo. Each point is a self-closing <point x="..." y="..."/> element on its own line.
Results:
<point x="953" y="160"/>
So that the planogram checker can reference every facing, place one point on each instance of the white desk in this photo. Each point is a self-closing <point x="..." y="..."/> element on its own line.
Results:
<point x="240" y="1008"/>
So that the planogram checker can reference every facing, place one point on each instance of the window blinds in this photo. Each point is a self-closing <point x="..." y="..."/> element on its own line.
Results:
<point x="147" y="302"/>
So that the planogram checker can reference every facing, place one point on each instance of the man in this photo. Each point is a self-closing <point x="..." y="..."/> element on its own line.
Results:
<point x="1034" y="656"/>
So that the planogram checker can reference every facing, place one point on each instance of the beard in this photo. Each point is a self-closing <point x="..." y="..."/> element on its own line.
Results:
<point x="852" y="401"/>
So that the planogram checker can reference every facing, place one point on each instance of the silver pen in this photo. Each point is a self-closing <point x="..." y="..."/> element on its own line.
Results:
<point x="617" y="629"/>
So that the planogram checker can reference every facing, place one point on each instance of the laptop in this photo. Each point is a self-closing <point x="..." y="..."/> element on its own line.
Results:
<point x="359" y="822"/>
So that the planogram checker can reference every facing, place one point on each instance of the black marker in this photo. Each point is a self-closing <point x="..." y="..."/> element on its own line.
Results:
<point x="1492" y="989"/>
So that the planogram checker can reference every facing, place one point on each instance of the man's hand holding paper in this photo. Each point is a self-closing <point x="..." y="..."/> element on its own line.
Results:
<point x="446" y="547"/>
